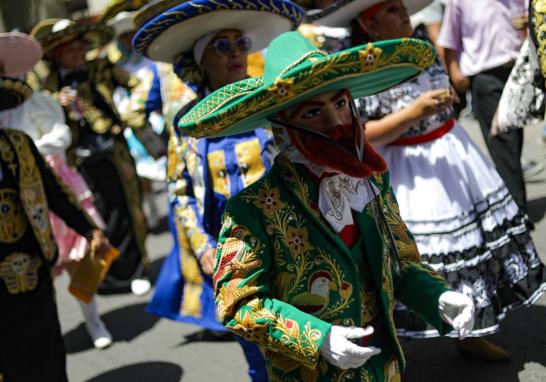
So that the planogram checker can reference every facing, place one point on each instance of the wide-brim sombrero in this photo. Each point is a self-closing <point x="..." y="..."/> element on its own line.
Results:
<point x="166" y="33"/>
<point x="52" y="33"/>
<point x="295" y="71"/>
<point x="19" y="52"/>
<point x="120" y="15"/>
<point x="13" y="92"/>
<point x="117" y="6"/>
<point x="122" y="23"/>
<point x="342" y="12"/>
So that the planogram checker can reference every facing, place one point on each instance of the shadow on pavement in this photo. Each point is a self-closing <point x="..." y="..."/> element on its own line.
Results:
<point x="536" y="209"/>
<point x="523" y="334"/>
<point x="143" y="372"/>
<point x="207" y="336"/>
<point x="155" y="268"/>
<point x="125" y="324"/>
<point x="161" y="227"/>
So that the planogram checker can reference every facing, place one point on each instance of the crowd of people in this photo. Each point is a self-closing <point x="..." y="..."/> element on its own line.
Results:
<point x="323" y="198"/>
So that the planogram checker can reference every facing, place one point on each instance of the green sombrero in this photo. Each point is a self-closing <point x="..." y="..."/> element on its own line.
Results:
<point x="295" y="71"/>
<point x="13" y="92"/>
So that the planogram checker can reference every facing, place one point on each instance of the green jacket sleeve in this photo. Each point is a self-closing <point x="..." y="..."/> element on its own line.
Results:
<point x="416" y="285"/>
<point x="419" y="288"/>
<point x="242" y="281"/>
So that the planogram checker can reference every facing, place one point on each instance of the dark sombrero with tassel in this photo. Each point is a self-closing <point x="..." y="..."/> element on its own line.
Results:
<point x="52" y="33"/>
<point x="120" y="15"/>
<point x="117" y="6"/>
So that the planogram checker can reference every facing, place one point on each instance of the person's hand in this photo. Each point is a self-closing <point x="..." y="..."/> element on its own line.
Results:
<point x="455" y="96"/>
<point x="432" y="102"/>
<point x="207" y="261"/>
<point x="99" y="241"/>
<point x="494" y="130"/>
<point x="460" y="82"/>
<point x="116" y="129"/>
<point x="457" y="310"/>
<point x="342" y="353"/>
<point x="67" y="95"/>
<point x="520" y="22"/>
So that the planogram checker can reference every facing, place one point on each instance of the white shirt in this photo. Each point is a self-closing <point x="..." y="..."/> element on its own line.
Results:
<point x="43" y="120"/>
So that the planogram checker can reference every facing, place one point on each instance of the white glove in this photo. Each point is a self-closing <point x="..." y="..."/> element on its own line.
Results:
<point x="457" y="310"/>
<point x="342" y="353"/>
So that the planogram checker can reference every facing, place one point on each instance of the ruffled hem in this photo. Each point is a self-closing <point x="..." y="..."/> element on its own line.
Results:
<point x="509" y="238"/>
<point x="502" y="274"/>
<point x="497" y="277"/>
<point x="409" y="325"/>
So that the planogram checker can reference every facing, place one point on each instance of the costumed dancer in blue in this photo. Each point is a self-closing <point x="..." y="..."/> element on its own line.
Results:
<point x="208" y="42"/>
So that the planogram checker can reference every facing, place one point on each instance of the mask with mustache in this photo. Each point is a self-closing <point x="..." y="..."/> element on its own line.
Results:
<point x="340" y="157"/>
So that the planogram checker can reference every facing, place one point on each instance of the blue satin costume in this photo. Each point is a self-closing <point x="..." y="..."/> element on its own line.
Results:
<point x="202" y="175"/>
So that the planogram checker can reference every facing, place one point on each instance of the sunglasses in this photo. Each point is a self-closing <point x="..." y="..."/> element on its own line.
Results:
<point x="224" y="46"/>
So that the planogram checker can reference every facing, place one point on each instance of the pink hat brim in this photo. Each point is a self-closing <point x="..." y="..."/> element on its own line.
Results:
<point x="19" y="53"/>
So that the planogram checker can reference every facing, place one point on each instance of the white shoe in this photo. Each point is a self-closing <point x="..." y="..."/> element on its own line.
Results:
<point x="100" y="336"/>
<point x="140" y="287"/>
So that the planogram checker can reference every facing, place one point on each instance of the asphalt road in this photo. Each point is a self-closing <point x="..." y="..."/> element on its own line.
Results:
<point x="150" y="349"/>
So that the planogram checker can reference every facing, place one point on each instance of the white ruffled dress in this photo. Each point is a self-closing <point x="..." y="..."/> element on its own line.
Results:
<point x="465" y="222"/>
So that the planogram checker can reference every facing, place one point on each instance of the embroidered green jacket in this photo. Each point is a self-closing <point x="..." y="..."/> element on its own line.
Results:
<point x="283" y="277"/>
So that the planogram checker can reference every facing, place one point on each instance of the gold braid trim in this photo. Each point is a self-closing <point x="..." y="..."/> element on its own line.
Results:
<point x="126" y="169"/>
<point x="32" y="193"/>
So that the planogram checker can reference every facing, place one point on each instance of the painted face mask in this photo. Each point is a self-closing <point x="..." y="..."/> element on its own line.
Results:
<point x="341" y="149"/>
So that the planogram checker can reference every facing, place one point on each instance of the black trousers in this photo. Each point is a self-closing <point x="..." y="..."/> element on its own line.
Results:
<point x="505" y="149"/>
<point x="31" y="344"/>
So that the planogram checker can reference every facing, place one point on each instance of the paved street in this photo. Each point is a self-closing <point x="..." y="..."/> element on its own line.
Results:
<point x="150" y="349"/>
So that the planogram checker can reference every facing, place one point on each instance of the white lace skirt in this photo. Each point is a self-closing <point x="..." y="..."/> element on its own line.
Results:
<point x="467" y="227"/>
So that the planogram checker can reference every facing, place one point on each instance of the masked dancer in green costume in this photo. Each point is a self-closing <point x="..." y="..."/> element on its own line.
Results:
<point x="311" y="257"/>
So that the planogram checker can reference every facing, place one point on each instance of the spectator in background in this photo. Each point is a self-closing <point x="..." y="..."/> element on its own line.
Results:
<point x="482" y="39"/>
<point x="431" y="19"/>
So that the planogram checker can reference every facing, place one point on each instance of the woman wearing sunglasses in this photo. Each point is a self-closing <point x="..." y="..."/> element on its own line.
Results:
<point x="465" y="222"/>
<point x="208" y="45"/>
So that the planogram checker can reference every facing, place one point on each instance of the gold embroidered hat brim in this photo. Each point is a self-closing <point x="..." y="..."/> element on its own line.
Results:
<point x="296" y="71"/>
<point x="152" y="10"/>
<point x="13" y="92"/>
<point x="96" y="34"/>
<point x="117" y="6"/>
